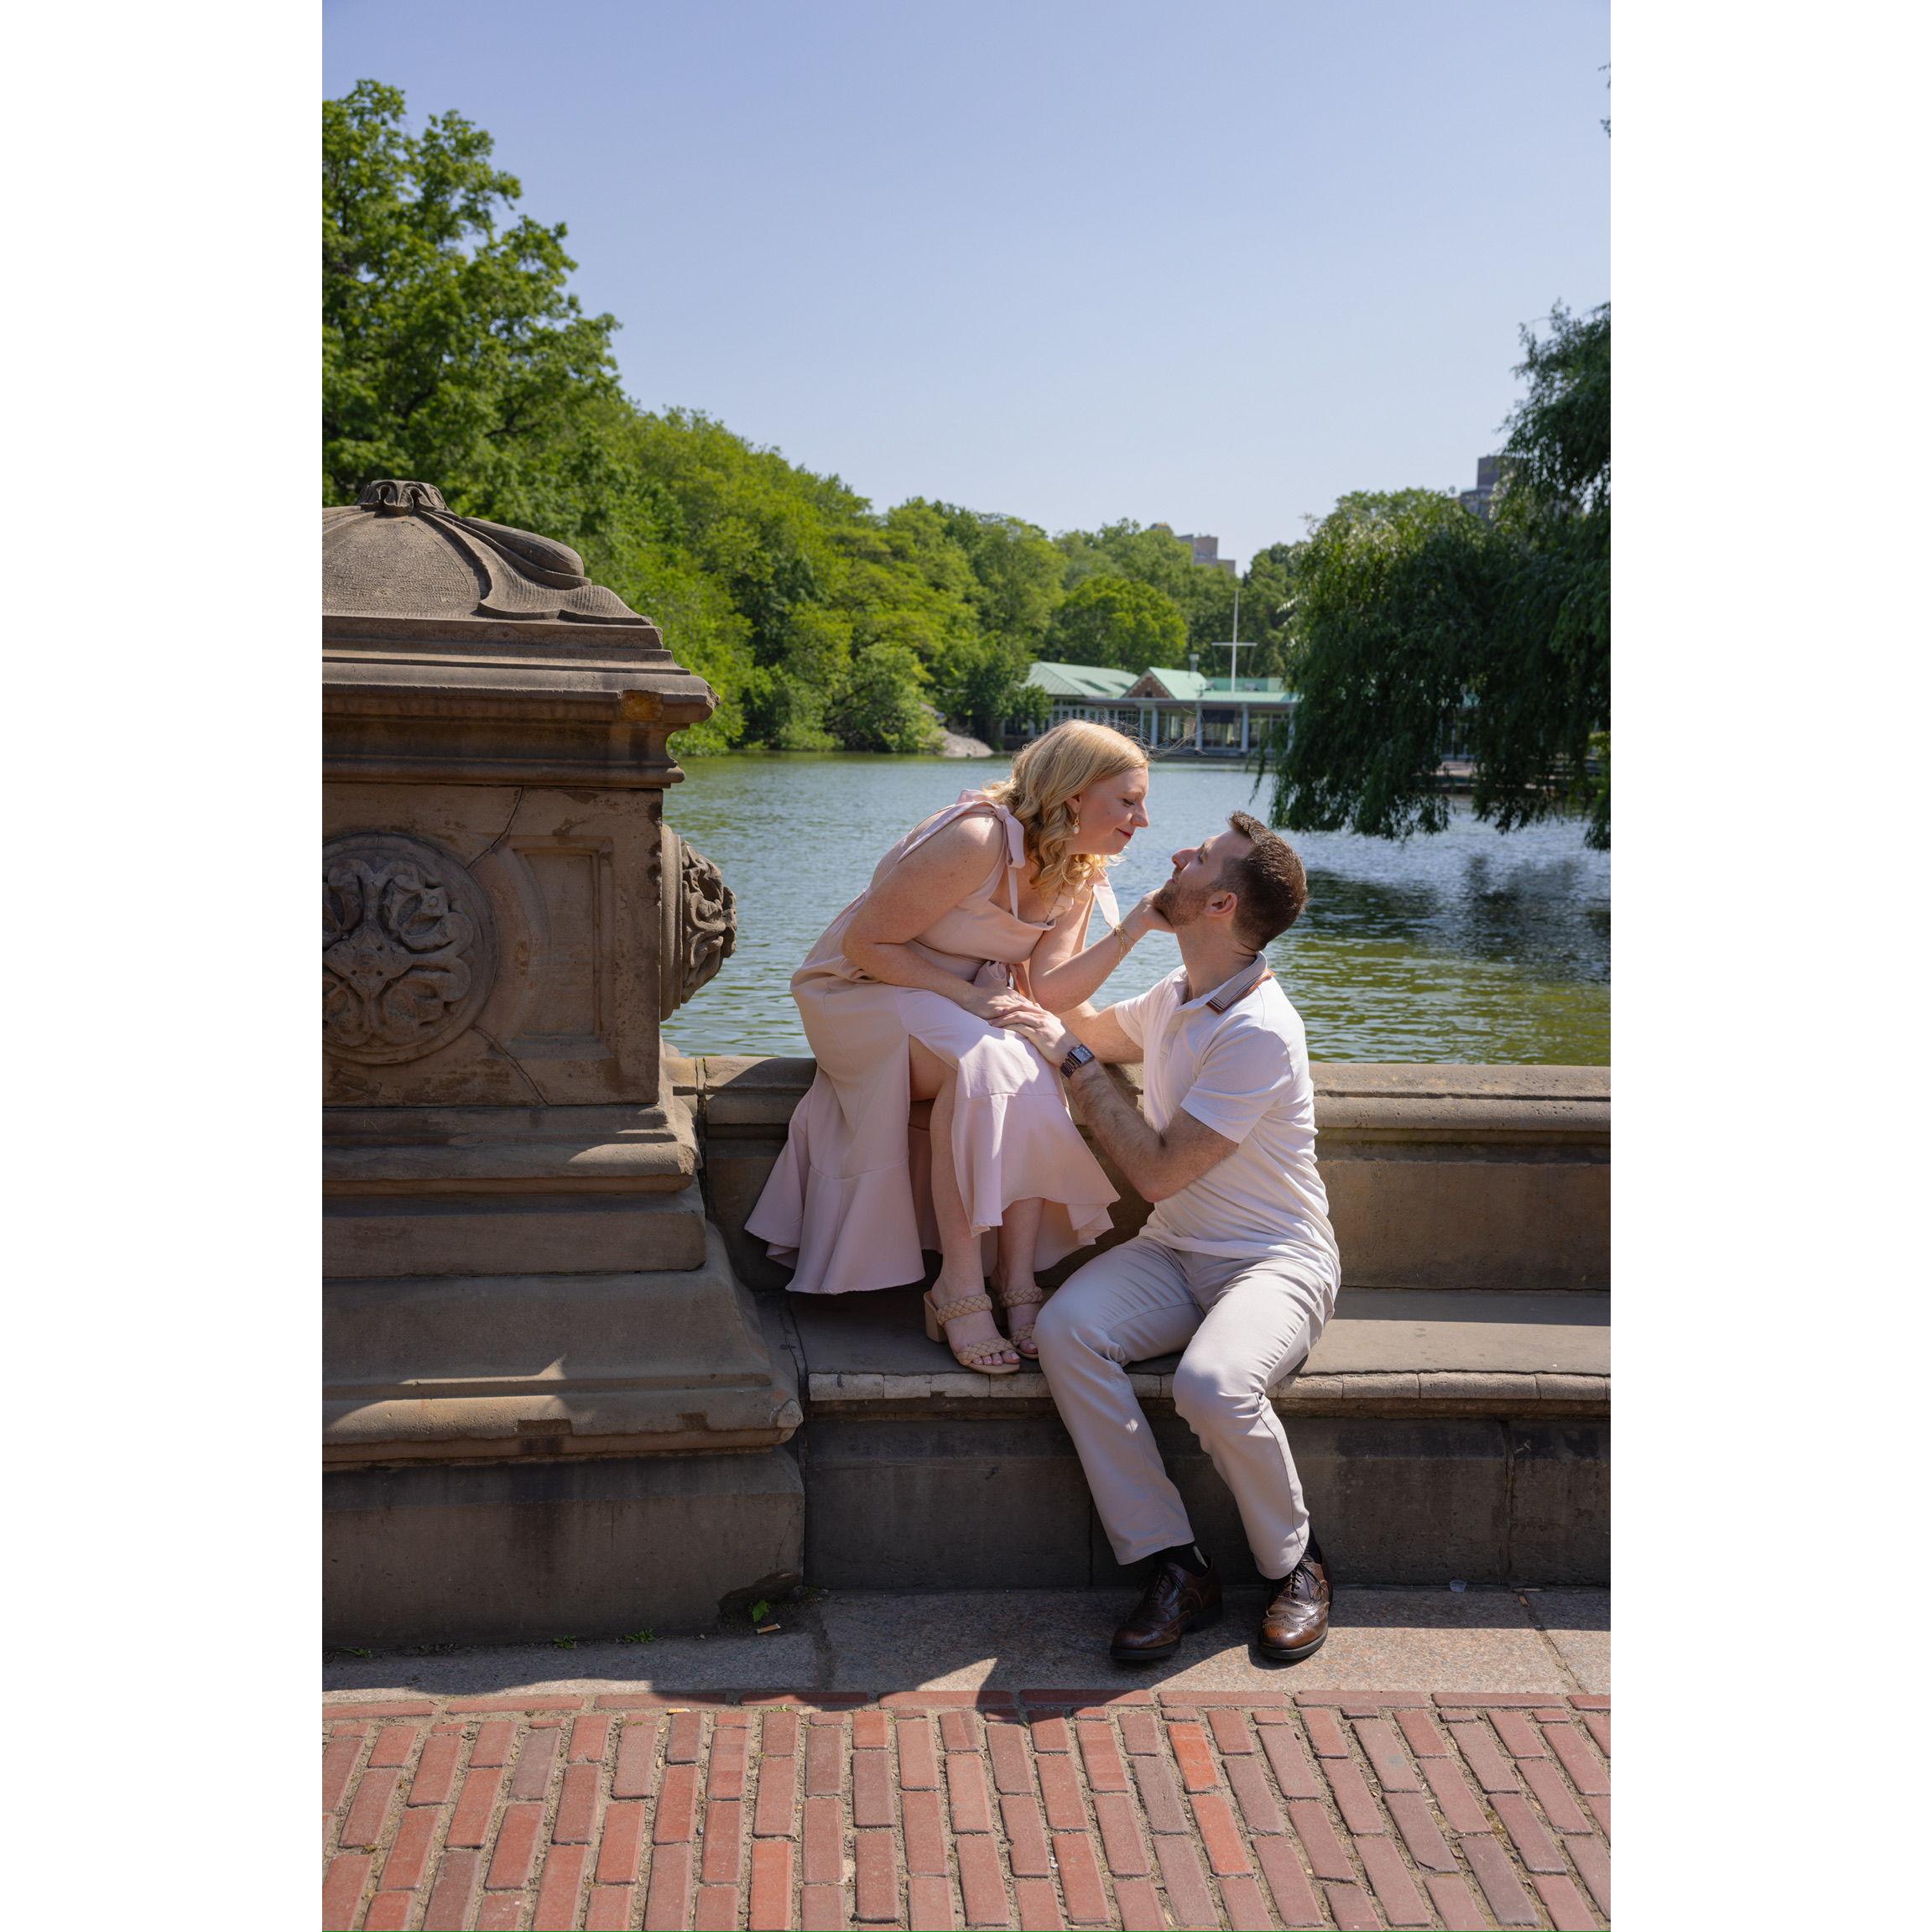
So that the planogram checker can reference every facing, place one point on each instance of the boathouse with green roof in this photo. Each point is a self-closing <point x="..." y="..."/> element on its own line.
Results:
<point x="1178" y="714"/>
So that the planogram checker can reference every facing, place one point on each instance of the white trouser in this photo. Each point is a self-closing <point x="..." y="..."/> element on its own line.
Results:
<point x="1242" y="1325"/>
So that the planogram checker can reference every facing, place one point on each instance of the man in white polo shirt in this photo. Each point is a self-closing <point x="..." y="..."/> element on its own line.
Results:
<point x="1237" y="1267"/>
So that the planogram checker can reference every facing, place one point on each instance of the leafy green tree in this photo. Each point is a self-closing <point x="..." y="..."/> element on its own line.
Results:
<point x="1394" y="596"/>
<point x="1266" y="588"/>
<point x="450" y="351"/>
<point x="766" y="536"/>
<point x="982" y="684"/>
<point x="1017" y="573"/>
<point x="1207" y="601"/>
<point x="1412" y="621"/>
<point x="918" y="534"/>
<point x="1549" y="685"/>
<point x="1156" y="557"/>
<point x="1013" y="588"/>
<point x="1153" y="555"/>
<point x="882" y="707"/>
<point x="1117" y="621"/>
<point x="907" y="582"/>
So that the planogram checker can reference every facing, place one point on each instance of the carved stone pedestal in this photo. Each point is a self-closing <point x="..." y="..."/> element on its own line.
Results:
<point x="550" y="1404"/>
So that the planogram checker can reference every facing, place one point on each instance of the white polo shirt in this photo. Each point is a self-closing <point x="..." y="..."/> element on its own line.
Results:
<point x="1237" y="1058"/>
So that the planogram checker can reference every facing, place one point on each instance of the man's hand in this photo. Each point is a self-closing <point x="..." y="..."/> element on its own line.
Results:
<point x="1158" y="1165"/>
<point x="1046" y="1032"/>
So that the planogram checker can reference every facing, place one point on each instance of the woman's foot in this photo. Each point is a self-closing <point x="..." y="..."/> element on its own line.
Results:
<point x="969" y="1331"/>
<point x="1021" y="1300"/>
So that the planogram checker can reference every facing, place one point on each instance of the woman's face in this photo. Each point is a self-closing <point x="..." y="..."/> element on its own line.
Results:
<point x="1110" y="812"/>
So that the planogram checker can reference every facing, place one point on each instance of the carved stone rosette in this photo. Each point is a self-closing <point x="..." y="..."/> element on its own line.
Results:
<point x="408" y="947"/>
<point x="701" y="922"/>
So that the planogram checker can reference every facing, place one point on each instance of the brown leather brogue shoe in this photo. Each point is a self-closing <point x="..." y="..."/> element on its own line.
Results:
<point x="1174" y="1603"/>
<point x="1295" y="1623"/>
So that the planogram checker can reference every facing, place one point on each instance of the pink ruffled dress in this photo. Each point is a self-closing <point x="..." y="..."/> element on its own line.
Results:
<point x="849" y="1206"/>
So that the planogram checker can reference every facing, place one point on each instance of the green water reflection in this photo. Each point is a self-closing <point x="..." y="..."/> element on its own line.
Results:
<point x="1465" y="947"/>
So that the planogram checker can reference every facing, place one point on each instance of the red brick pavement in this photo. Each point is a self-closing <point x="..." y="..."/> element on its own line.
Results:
<point x="1043" y="1809"/>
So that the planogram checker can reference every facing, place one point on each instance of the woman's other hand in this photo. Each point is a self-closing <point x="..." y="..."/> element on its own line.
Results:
<point x="997" y="1005"/>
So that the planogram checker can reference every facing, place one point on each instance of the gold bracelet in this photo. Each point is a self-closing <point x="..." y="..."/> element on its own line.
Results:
<point x="1121" y="939"/>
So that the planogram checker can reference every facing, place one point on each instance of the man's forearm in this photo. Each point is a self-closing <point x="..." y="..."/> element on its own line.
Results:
<point x="1102" y="1034"/>
<point x="1121" y="1128"/>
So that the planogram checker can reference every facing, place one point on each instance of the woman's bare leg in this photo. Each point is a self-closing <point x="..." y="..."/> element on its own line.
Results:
<point x="1018" y="1239"/>
<point x="934" y="1080"/>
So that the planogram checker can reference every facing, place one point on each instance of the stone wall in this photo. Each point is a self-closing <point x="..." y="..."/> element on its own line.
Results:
<point x="1438" y="1177"/>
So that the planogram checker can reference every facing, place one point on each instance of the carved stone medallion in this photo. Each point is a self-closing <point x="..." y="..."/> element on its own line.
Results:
<point x="701" y="922"/>
<point x="408" y="947"/>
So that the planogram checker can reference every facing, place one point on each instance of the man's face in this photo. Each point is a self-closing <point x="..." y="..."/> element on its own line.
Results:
<point x="1197" y="877"/>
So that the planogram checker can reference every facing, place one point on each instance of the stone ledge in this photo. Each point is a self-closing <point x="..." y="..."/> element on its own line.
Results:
<point x="1439" y="1177"/>
<point x="1385" y="1351"/>
<point x="495" y="1151"/>
<point x="742" y="1096"/>
<point x="1525" y="1395"/>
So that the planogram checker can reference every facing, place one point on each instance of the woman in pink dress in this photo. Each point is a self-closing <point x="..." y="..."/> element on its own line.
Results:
<point x="905" y="997"/>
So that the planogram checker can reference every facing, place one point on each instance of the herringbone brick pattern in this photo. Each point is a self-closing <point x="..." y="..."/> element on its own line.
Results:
<point x="924" y="1810"/>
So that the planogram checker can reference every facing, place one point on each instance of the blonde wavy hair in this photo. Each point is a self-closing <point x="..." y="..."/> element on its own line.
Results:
<point x="1047" y="776"/>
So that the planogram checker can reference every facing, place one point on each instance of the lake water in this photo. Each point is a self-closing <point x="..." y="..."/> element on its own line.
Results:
<point x="1467" y="946"/>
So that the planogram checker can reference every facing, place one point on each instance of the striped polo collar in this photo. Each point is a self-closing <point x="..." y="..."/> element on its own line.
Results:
<point x="1229" y="992"/>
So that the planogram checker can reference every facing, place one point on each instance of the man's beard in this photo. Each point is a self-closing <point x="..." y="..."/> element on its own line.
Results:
<point x="1177" y="905"/>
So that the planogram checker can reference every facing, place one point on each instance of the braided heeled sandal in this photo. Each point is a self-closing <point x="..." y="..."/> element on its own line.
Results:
<point x="1020" y="1297"/>
<point x="983" y="1355"/>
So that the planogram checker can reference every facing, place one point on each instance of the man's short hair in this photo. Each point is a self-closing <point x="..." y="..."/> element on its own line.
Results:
<point x="1267" y="882"/>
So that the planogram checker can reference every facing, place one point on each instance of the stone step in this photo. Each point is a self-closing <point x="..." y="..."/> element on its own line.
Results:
<point x="1398" y="1350"/>
<point x="1439" y="1434"/>
<point x="474" y="1367"/>
<point x="516" y="1552"/>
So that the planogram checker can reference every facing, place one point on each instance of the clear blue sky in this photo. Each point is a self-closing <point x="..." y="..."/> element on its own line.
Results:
<point x="1211" y="264"/>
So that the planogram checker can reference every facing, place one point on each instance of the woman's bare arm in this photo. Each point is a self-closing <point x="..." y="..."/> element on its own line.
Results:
<point x="1062" y="978"/>
<point x="927" y="881"/>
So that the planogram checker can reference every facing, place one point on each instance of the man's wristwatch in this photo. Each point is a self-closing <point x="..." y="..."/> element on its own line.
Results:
<point x="1081" y="1057"/>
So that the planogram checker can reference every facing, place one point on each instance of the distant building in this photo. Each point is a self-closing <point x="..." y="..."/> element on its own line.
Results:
<point x="1079" y="687"/>
<point x="1179" y="712"/>
<point x="1207" y="554"/>
<point x="1488" y="476"/>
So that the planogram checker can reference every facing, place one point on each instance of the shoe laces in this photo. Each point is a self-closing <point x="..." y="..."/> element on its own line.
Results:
<point x="1297" y="1586"/>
